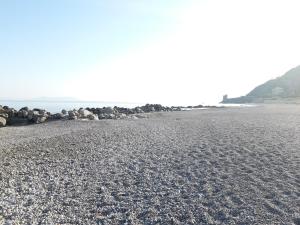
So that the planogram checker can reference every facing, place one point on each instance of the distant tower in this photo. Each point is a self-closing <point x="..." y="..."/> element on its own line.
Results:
<point x="225" y="98"/>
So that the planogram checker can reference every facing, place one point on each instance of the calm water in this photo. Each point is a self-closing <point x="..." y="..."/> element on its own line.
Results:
<point x="55" y="107"/>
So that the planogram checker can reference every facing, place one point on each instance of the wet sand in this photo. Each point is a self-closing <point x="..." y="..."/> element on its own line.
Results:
<point x="216" y="166"/>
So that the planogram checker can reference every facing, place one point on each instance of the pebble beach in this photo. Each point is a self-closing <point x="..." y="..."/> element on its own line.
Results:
<point x="216" y="166"/>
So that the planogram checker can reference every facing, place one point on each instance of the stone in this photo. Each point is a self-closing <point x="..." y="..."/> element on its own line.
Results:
<point x="107" y="110"/>
<point x="57" y="116"/>
<point x="4" y="115"/>
<point x="23" y="113"/>
<point x="122" y="116"/>
<point x="2" y="122"/>
<point x="73" y="115"/>
<point x="101" y="116"/>
<point x="111" y="116"/>
<point x="83" y="113"/>
<point x="30" y="115"/>
<point x="25" y="108"/>
<point x="39" y="119"/>
<point x="92" y="117"/>
<point x="139" y="110"/>
<point x="123" y="110"/>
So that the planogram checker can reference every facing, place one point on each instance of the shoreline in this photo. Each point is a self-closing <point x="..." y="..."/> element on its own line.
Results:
<point x="25" y="116"/>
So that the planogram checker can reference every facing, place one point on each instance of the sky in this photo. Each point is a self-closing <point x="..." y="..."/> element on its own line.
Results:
<point x="158" y="51"/>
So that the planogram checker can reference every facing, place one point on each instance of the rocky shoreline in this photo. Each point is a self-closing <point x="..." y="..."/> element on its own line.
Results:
<point x="24" y="116"/>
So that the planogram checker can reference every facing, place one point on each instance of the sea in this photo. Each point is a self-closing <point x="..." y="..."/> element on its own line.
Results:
<point x="57" y="106"/>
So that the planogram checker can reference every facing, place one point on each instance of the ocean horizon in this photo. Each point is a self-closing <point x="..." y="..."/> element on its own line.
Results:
<point x="57" y="106"/>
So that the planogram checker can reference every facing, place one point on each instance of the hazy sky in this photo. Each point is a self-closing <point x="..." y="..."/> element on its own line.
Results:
<point x="164" y="51"/>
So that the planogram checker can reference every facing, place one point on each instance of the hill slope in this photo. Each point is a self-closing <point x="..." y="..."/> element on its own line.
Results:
<point x="284" y="88"/>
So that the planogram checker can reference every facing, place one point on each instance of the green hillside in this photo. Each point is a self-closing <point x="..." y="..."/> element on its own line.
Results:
<point x="284" y="88"/>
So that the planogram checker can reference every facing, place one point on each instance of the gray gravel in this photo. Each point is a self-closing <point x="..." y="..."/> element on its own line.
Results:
<point x="216" y="166"/>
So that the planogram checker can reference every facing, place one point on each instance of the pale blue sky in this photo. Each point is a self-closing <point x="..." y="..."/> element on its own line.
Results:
<point x="141" y="50"/>
<point x="44" y="42"/>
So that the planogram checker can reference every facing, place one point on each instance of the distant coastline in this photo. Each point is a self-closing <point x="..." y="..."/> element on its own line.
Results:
<point x="284" y="89"/>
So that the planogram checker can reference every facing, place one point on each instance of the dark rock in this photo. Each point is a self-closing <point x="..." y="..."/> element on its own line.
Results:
<point x="25" y="108"/>
<point x="101" y="116"/>
<point x="108" y="110"/>
<point x="73" y="115"/>
<point x="57" y="116"/>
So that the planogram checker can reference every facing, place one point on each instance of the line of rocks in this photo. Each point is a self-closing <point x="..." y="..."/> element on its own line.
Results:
<point x="10" y="116"/>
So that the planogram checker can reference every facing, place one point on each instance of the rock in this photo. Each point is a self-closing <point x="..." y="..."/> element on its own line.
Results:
<point x="4" y="115"/>
<point x="107" y="110"/>
<point x="152" y="108"/>
<point x="39" y="119"/>
<point x="30" y="115"/>
<point x="25" y="108"/>
<point x="111" y="116"/>
<point x="126" y="111"/>
<point x="122" y="116"/>
<point x="101" y="116"/>
<point x="57" y="116"/>
<point x="73" y="115"/>
<point x="92" y="117"/>
<point x="138" y="110"/>
<point x="23" y="113"/>
<point x="2" y="122"/>
<point x="83" y="113"/>
<point x="38" y="116"/>
<point x="176" y="108"/>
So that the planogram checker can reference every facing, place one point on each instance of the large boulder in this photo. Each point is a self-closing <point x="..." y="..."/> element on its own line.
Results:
<point x="111" y="116"/>
<point x="148" y="108"/>
<point x="101" y="116"/>
<point x="23" y="113"/>
<point x="73" y="115"/>
<point x="2" y="122"/>
<point x="138" y="110"/>
<point x="123" y="110"/>
<point x="25" y="108"/>
<point x="38" y="116"/>
<point x="39" y="119"/>
<point x="57" y="116"/>
<point x="4" y="115"/>
<point x="93" y="117"/>
<point x="83" y="113"/>
<point x="32" y="114"/>
<point x="108" y="110"/>
<point x="121" y="116"/>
